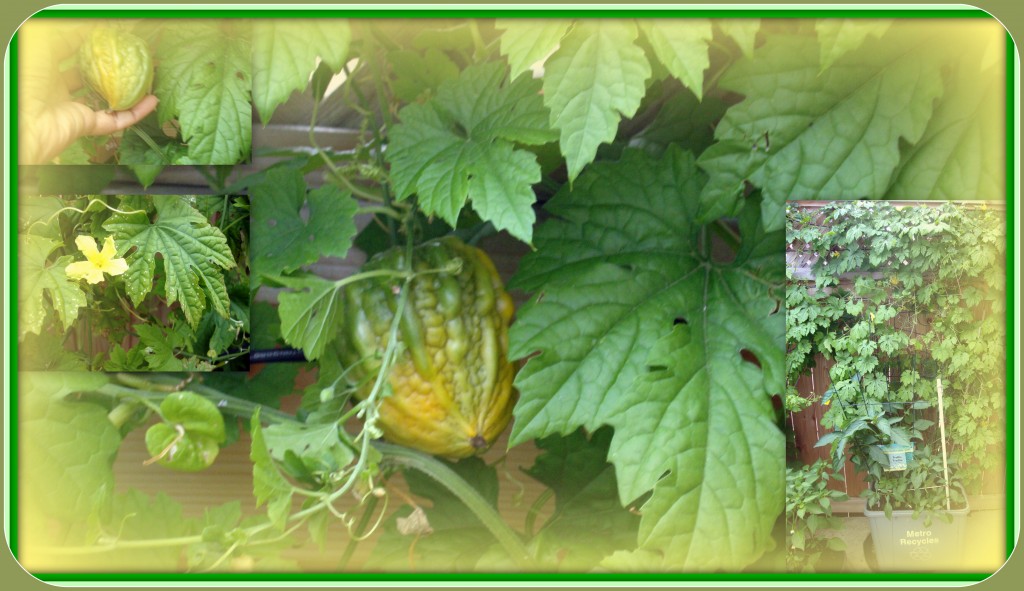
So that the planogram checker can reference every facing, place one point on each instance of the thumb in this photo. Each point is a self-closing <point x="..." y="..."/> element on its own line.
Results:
<point x="107" y="122"/>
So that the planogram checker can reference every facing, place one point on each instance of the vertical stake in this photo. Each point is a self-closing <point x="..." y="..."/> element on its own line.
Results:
<point x="942" y="437"/>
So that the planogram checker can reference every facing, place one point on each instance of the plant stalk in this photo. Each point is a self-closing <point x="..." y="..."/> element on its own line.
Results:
<point x="509" y="540"/>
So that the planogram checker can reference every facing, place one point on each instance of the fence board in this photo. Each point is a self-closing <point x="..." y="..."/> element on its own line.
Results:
<point x="807" y="428"/>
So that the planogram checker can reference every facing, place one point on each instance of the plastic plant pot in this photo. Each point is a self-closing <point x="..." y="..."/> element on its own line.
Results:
<point x="906" y="543"/>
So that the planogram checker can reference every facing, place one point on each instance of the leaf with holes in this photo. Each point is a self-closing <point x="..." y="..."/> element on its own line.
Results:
<point x="204" y="83"/>
<point x="194" y="256"/>
<point x="292" y="228"/>
<point x="619" y="266"/>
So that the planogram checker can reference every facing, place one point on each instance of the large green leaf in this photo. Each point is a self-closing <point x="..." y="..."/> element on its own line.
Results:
<point x="460" y="146"/>
<point x="292" y="228"/>
<point x="39" y="283"/>
<point x="285" y="52"/>
<point x="801" y="133"/>
<point x="526" y="42"/>
<point x="204" y="80"/>
<point x="682" y="47"/>
<point x="702" y="414"/>
<point x="195" y="256"/>
<point x="268" y="485"/>
<point x="621" y="267"/>
<point x="588" y="522"/>
<point x="312" y="454"/>
<point x="416" y="76"/>
<point x="66" y="453"/>
<point x="962" y="152"/>
<point x="839" y="36"/>
<point x="595" y="78"/>
<point x="308" y="315"/>
<point x="742" y="31"/>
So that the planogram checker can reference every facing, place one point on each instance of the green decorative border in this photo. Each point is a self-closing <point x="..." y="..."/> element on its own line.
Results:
<point x="1011" y="294"/>
<point x="557" y="11"/>
<point x="536" y="11"/>
<point x="11" y="358"/>
<point x="719" y="578"/>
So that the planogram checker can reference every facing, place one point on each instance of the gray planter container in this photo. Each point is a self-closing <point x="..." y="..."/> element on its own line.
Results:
<point x="903" y="543"/>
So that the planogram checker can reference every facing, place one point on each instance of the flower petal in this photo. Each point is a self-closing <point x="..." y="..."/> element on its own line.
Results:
<point x="109" y="248"/>
<point x="86" y="244"/>
<point x="116" y="266"/>
<point x="84" y="270"/>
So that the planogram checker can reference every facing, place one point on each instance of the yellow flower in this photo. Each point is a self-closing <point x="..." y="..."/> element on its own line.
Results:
<point x="97" y="262"/>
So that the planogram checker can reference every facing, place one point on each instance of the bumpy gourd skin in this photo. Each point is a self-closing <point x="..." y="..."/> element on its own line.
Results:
<point x="117" y="65"/>
<point x="452" y="384"/>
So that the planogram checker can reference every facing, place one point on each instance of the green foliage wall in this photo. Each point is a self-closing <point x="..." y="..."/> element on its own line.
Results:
<point x="900" y="296"/>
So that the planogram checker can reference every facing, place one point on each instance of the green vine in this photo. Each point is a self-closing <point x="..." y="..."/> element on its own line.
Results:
<point x="897" y="298"/>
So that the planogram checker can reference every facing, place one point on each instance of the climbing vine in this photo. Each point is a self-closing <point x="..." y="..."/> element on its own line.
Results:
<point x="895" y="297"/>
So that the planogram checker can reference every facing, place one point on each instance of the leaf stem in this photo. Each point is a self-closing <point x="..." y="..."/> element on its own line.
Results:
<point x="353" y="542"/>
<point x="386" y="211"/>
<point x="509" y="540"/>
<point x="534" y="511"/>
<point x="225" y="402"/>
<point x="149" y="142"/>
<point x="385" y="123"/>
<point x="225" y="208"/>
<point x="335" y="172"/>
<point x="121" y="545"/>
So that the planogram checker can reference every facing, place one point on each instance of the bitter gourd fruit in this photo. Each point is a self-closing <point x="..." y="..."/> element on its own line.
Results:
<point x="117" y="65"/>
<point x="451" y="387"/>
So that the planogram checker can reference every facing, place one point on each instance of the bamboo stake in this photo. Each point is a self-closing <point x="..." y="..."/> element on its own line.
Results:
<point x="942" y="437"/>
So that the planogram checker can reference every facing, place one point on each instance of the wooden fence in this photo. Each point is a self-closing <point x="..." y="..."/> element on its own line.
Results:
<point x="807" y="429"/>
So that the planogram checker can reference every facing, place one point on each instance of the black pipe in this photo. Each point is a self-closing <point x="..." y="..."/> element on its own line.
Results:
<point x="277" y="356"/>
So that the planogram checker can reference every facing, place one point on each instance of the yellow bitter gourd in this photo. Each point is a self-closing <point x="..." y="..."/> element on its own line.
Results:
<point x="117" y="65"/>
<point x="452" y="384"/>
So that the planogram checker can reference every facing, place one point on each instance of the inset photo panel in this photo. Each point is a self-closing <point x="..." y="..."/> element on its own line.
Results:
<point x="133" y="283"/>
<point x="896" y="386"/>
<point x="144" y="93"/>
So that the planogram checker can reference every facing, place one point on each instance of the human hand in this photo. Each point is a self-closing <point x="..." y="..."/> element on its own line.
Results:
<point x="49" y="119"/>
